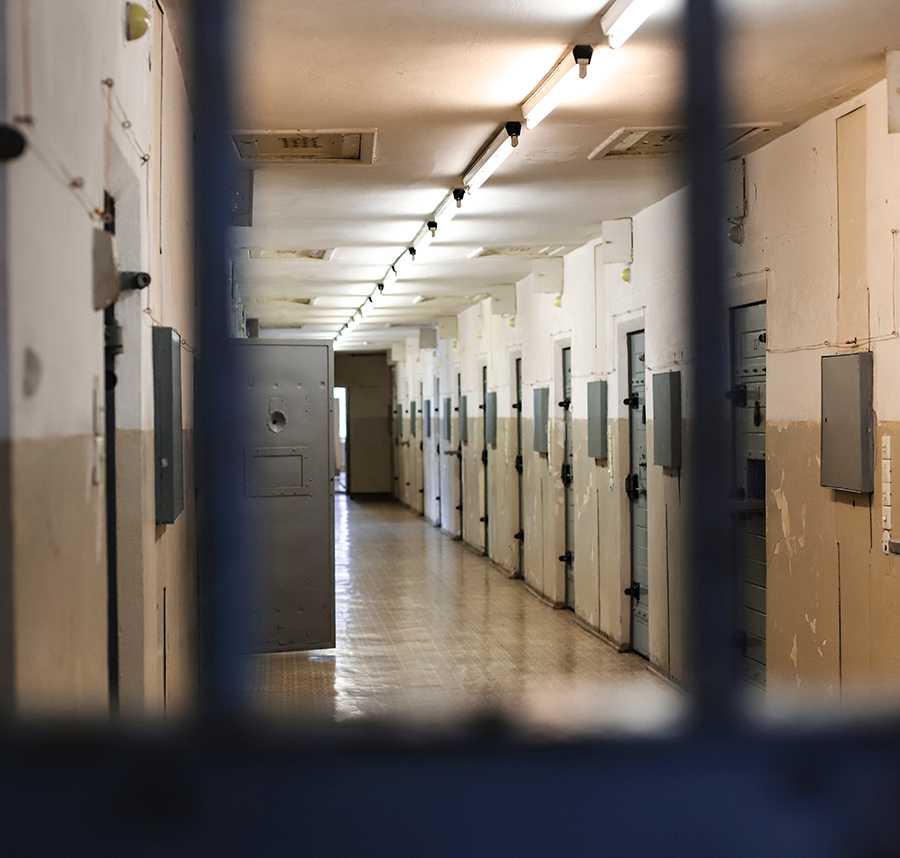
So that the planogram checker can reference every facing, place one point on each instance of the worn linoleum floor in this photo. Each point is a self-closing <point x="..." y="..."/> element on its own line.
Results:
<point x="425" y="625"/>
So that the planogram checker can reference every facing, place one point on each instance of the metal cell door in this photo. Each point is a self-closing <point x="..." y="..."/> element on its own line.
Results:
<point x="484" y="456"/>
<point x="287" y="505"/>
<point x="569" y="506"/>
<point x="437" y="448"/>
<point x="636" y="488"/>
<point x="459" y="451"/>
<point x="748" y="396"/>
<point x="520" y="471"/>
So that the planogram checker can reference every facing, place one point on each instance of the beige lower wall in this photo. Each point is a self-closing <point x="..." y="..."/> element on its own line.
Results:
<point x="59" y="583"/>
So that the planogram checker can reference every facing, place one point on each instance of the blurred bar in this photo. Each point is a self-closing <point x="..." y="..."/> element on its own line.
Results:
<point x="712" y="633"/>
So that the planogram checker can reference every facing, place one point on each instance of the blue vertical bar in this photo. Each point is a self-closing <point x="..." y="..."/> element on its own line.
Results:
<point x="712" y="642"/>
<point x="222" y="543"/>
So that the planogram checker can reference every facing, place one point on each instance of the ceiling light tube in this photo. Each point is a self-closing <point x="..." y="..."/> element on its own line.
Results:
<point x="557" y="86"/>
<point x="422" y="240"/>
<point x="497" y="151"/>
<point x="390" y="278"/>
<point x="624" y="18"/>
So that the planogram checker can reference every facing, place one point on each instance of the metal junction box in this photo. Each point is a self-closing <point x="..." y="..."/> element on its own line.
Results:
<point x="283" y="446"/>
<point x="412" y="418"/>
<point x="541" y="413"/>
<point x="848" y="447"/>
<point x="464" y="419"/>
<point x="490" y="417"/>
<point x="426" y="414"/>
<point x="667" y="419"/>
<point x="167" y="429"/>
<point x="598" y="438"/>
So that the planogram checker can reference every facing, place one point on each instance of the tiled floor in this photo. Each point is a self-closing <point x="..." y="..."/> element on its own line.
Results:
<point x="424" y="625"/>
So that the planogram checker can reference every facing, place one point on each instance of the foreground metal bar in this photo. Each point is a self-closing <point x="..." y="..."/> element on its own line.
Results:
<point x="712" y="634"/>
<point x="224" y="608"/>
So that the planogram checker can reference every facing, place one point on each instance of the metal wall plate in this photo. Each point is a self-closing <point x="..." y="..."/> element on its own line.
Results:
<point x="667" y="419"/>
<point x="598" y="437"/>
<point x="448" y="428"/>
<point x="541" y="412"/>
<point x="167" y="429"/>
<point x="490" y="417"/>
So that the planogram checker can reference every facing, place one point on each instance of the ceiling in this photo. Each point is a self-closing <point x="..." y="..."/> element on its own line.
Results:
<point x="437" y="79"/>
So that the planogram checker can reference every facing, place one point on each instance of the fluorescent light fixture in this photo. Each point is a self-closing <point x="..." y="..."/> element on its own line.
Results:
<point x="497" y="151"/>
<point x="446" y="211"/>
<point x="368" y="308"/>
<point x="474" y="253"/>
<point x="390" y="278"/>
<point x="557" y="86"/>
<point x="625" y="18"/>
<point x="422" y="241"/>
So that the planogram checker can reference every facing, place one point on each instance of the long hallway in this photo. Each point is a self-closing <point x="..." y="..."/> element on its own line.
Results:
<point x="424" y="623"/>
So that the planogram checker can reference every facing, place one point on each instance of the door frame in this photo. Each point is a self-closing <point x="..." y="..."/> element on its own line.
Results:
<point x="519" y="418"/>
<point x="559" y="392"/>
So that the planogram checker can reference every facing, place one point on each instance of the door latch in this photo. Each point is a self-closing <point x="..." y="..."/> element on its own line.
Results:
<point x="634" y="591"/>
<point x="566" y="475"/>
<point x="520" y="536"/>
<point x="632" y="401"/>
<point x="565" y="403"/>
<point x="517" y="406"/>
<point x="568" y="557"/>
<point x="738" y="395"/>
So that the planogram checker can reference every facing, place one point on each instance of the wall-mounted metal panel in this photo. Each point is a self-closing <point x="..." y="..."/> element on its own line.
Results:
<point x="848" y="448"/>
<point x="490" y="416"/>
<point x="667" y="419"/>
<point x="412" y="418"/>
<point x="169" y="479"/>
<point x="448" y="428"/>
<point x="398" y="423"/>
<point x="598" y="437"/>
<point x="464" y="419"/>
<point x="427" y="416"/>
<point x="541" y="414"/>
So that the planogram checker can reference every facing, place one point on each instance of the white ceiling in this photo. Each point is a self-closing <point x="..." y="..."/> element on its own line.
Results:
<point x="438" y="78"/>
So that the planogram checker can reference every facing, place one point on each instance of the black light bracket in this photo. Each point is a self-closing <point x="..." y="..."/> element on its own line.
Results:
<point x="582" y="55"/>
<point x="514" y="129"/>
<point x="459" y="194"/>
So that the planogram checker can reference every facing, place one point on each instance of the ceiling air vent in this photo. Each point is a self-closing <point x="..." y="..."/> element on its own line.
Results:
<point x="319" y="255"/>
<point x="659" y="142"/>
<point x="290" y="147"/>
<point x="519" y="252"/>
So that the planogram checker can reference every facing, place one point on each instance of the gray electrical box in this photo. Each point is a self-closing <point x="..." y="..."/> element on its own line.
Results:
<point x="541" y="412"/>
<point x="598" y="444"/>
<point x="427" y="416"/>
<point x="167" y="429"/>
<point x="412" y="418"/>
<point x="667" y="419"/>
<point x="490" y="416"/>
<point x="848" y="445"/>
<point x="464" y="419"/>
<point x="282" y="449"/>
<point x="448" y="428"/>
<point x="398" y="423"/>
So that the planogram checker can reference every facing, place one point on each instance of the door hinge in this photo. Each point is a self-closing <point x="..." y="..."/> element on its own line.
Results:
<point x="484" y="456"/>
<point x="632" y="401"/>
<point x="483" y="519"/>
<point x="566" y="475"/>
<point x="565" y="403"/>
<point x="632" y="488"/>
<point x="634" y="591"/>
<point x="459" y="507"/>
<point x="568" y="557"/>
<point x="520" y="536"/>
<point x="517" y="406"/>
<point x="520" y="464"/>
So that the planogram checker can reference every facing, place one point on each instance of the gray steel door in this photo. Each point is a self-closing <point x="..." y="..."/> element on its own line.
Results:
<point x="636" y="486"/>
<point x="569" y="506"/>
<point x="748" y="396"/>
<point x="484" y="456"/>
<point x="287" y="505"/>
<point x="437" y="447"/>
<point x="520" y="470"/>
<point x="459" y="452"/>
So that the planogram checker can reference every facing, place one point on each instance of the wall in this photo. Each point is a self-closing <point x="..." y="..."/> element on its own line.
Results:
<point x="829" y="276"/>
<point x="367" y="378"/>
<point x="86" y="137"/>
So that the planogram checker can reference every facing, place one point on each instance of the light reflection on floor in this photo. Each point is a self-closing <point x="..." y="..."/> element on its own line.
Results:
<point x="426" y="627"/>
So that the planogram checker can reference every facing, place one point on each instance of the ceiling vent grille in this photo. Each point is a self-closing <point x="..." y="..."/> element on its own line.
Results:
<point x="672" y="140"/>
<point x="290" y="147"/>
<point x="316" y="255"/>
<point x="519" y="252"/>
